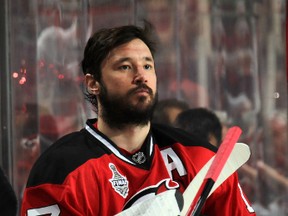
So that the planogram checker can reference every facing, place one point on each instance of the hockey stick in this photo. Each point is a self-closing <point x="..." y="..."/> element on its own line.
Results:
<point x="240" y="154"/>
<point x="214" y="171"/>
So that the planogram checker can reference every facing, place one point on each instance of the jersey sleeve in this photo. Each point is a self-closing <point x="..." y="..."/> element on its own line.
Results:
<point x="60" y="181"/>
<point x="50" y="199"/>
<point x="228" y="200"/>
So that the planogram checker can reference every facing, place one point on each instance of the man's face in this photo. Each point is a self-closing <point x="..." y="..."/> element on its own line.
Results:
<point x="127" y="93"/>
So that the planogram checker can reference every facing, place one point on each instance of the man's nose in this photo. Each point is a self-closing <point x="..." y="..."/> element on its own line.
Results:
<point x="139" y="76"/>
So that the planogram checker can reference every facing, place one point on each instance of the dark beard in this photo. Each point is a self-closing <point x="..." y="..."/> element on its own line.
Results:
<point x="117" y="112"/>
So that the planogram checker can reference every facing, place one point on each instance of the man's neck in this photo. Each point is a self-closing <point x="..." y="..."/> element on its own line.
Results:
<point x="129" y="138"/>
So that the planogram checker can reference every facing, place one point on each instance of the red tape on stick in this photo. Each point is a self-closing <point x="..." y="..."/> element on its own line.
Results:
<point x="215" y="169"/>
<point x="223" y="152"/>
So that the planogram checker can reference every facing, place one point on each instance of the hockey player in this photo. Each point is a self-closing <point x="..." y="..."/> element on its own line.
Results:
<point x="120" y="158"/>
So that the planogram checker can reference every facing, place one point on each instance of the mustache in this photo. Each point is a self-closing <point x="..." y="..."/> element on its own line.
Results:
<point x="139" y="87"/>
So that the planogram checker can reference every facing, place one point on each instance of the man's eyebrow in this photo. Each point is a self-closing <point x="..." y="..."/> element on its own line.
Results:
<point x="120" y="60"/>
<point x="149" y="59"/>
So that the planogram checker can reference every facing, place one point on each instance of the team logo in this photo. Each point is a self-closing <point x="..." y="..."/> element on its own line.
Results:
<point x="139" y="158"/>
<point x="118" y="181"/>
<point x="151" y="191"/>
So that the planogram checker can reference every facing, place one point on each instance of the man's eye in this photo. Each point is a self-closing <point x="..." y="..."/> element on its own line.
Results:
<point x="147" y="67"/>
<point x="124" y="67"/>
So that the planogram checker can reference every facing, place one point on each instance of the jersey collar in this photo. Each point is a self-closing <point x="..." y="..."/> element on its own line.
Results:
<point x="113" y="147"/>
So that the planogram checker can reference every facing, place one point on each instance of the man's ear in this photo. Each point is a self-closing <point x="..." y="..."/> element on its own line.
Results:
<point x="93" y="86"/>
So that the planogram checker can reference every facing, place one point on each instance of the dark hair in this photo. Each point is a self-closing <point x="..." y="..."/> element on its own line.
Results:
<point x="102" y="42"/>
<point x="105" y="40"/>
<point x="201" y="122"/>
<point x="161" y="115"/>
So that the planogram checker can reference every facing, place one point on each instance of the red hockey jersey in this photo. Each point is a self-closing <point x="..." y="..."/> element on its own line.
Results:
<point x="85" y="173"/>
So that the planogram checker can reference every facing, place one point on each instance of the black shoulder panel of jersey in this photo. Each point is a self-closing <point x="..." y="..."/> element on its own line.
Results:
<point x="8" y="198"/>
<point x="166" y="135"/>
<point x="64" y="156"/>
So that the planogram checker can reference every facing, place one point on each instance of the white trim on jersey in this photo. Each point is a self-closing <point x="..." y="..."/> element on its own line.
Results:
<point x="112" y="148"/>
<point x="151" y="146"/>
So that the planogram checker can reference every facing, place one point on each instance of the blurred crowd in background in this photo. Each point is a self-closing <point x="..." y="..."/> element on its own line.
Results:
<point x="227" y="56"/>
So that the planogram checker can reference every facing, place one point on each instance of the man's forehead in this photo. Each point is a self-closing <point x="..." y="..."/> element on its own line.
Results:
<point x="129" y="51"/>
<point x="134" y="44"/>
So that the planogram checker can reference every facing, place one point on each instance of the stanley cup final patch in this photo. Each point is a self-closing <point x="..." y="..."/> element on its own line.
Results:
<point x="118" y="181"/>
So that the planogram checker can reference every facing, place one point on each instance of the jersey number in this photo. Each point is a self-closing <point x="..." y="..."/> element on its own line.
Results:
<point x="52" y="210"/>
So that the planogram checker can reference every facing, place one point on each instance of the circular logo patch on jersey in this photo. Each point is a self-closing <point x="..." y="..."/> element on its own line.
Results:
<point x="139" y="157"/>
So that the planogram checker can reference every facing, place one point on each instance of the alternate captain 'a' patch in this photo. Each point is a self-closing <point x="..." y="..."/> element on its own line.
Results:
<point x="118" y="181"/>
